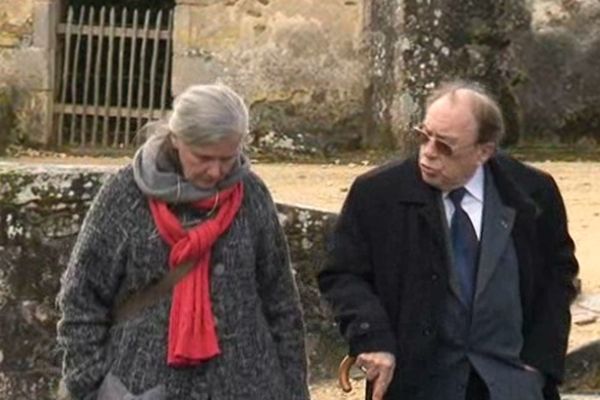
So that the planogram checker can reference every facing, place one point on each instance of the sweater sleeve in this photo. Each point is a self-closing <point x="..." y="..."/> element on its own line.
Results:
<point x="88" y="288"/>
<point x="280" y="299"/>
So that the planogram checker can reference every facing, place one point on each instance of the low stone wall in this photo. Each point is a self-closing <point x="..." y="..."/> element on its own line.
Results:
<point x="41" y="208"/>
<point x="40" y="212"/>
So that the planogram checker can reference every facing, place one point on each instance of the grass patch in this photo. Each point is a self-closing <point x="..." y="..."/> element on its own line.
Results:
<point x="531" y="152"/>
<point x="540" y="152"/>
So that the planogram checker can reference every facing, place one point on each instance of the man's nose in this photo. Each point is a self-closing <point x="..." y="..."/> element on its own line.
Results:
<point x="429" y="149"/>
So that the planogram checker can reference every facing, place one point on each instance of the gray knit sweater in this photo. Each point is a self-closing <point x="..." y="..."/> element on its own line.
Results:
<point x="254" y="300"/>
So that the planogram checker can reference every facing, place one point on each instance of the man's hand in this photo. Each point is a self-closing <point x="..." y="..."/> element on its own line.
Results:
<point x="379" y="368"/>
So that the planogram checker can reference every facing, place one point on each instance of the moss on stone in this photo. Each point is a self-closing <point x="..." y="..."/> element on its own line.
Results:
<point x="7" y="118"/>
<point x="580" y="123"/>
<point x="583" y="369"/>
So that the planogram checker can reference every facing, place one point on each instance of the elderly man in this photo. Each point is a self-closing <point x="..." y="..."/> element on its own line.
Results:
<point x="451" y="275"/>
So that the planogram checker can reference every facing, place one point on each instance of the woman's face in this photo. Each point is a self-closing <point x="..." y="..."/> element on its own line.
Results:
<point x="206" y="165"/>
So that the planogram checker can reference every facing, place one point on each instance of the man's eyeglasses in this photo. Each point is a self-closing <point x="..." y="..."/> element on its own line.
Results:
<point x="423" y="136"/>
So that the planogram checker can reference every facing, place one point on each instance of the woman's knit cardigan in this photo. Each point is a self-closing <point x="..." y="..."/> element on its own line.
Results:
<point x="254" y="300"/>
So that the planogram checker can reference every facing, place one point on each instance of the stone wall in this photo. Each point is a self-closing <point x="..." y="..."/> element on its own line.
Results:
<point x="16" y="24"/>
<point x="560" y="60"/>
<point x="16" y="30"/>
<point x="415" y="44"/>
<point x="297" y="63"/>
<point x="27" y="65"/>
<point x="324" y="76"/>
<point x="540" y="58"/>
<point x="41" y="208"/>
<point x="40" y="213"/>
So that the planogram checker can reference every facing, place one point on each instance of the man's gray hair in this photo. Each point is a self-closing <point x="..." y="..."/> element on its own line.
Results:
<point x="208" y="113"/>
<point x="485" y="108"/>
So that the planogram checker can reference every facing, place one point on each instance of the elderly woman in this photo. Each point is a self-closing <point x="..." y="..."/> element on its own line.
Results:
<point x="179" y="285"/>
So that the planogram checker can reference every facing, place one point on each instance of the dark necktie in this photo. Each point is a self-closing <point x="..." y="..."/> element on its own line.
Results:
<point x="465" y="246"/>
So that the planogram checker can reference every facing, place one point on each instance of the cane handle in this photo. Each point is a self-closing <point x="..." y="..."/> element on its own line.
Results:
<point x="344" y="373"/>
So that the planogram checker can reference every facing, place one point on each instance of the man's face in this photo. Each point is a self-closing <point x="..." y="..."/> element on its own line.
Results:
<point x="206" y="165"/>
<point x="449" y="153"/>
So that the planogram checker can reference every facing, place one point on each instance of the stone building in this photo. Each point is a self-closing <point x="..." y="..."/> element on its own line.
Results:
<point x="318" y="75"/>
<point x="297" y="64"/>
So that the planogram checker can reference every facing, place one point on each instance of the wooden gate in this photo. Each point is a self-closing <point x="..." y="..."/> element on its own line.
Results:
<point x="114" y="75"/>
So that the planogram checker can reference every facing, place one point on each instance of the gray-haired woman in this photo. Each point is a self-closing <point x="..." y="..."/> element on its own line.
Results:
<point x="179" y="285"/>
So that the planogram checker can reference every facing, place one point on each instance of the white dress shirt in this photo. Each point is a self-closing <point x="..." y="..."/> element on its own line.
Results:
<point x="472" y="203"/>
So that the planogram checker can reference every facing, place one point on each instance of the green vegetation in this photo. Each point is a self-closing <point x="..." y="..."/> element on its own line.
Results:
<point x="533" y="151"/>
<point x="556" y="152"/>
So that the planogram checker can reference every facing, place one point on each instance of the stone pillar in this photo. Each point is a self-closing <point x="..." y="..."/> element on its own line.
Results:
<point x="45" y="20"/>
<point x="416" y="44"/>
<point x="191" y="65"/>
<point x="390" y="110"/>
<point x="380" y="38"/>
<point x="466" y="39"/>
<point x="182" y="24"/>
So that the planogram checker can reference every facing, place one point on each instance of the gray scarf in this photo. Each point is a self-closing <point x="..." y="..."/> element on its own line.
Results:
<point x="156" y="174"/>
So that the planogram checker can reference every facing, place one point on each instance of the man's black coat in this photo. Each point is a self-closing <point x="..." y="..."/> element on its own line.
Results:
<point x="386" y="272"/>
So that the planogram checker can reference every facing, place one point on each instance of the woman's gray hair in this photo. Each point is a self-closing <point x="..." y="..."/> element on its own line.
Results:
<point x="203" y="114"/>
<point x="208" y="113"/>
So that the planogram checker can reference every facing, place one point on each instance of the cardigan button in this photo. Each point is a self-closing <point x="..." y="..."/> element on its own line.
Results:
<point x="364" y="326"/>
<point x="435" y="277"/>
<point x="219" y="269"/>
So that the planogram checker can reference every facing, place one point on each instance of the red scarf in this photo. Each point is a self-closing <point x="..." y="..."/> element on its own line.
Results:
<point x="192" y="334"/>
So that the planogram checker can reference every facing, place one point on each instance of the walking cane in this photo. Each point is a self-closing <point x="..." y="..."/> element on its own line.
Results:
<point x="344" y="373"/>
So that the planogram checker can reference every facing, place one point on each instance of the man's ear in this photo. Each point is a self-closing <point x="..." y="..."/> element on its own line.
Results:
<point x="486" y="151"/>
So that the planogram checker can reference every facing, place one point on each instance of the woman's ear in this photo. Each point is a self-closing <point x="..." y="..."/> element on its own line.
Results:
<point x="171" y="144"/>
<point x="174" y="142"/>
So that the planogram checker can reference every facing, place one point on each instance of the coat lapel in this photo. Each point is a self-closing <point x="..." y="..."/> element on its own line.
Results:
<point x="431" y="217"/>
<point x="517" y="195"/>
<point x="498" y="221"/>
<point x="429" y="214"/>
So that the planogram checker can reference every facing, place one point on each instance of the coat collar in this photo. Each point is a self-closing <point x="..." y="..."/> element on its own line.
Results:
<point x="414" y="190"/>
<point x="513" y="194"/>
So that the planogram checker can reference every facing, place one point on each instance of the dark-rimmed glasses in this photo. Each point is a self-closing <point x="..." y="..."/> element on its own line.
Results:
<point x="423" y="136"/>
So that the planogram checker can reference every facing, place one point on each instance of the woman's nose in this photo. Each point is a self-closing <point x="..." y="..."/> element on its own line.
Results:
<point x="214" y="170"/>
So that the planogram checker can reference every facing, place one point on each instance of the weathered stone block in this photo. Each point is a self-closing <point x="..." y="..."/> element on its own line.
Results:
<point x="40" y="212"/>
<point x="7" y="117"/>
<point x="297" y="64"/>
<point x="41" y="209"/>
<point x="16" y="13"/>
